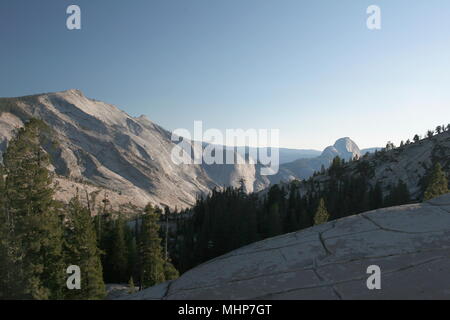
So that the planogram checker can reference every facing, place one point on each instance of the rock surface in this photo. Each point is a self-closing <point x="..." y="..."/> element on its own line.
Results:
<point x="411" y="164"/>
<point x="411" y="245"/>
<point x="345" y="148"/>
<point x="128" y="158"/>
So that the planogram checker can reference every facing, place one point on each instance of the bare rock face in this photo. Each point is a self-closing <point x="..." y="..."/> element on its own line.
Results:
<point x="8" y="123"/>
<point x="410" y="164"/>
<point x="410" y="244"/>
<point x="345" y="148"/>
<point x="125" y="157"/>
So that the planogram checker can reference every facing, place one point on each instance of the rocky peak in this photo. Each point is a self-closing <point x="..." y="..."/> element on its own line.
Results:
<point x="102" y="145"/>
<point x="345" y="148"/>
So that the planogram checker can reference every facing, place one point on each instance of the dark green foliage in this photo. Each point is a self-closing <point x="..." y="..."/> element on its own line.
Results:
<point x="437" y="183"/>
<point x="81" y="250"/>
<point x="216" y="224"/>
<point x="221" y="222"/>
<point x="117" y="255"/>
<point x="34" y="221"/>
<point x="170" y="272"/>
<point x="132" y="249"/>
<point x="152" y="261"/>
<point x="40" y="238"/>
<point x="376" y="197"/>
<point x="8" y="279"/>
<point x="399" y="195"/>
<point x="131" y="286"/>
<point x="132" y="254"/>
<point x="321" y="216"/>
<point x="32" y="228"/>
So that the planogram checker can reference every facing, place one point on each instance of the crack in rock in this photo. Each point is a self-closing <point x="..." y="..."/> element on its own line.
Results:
<point x="397" y="231"/>
<point x="228" y="256"/>
<point x="323" y="241"/>
<point x="361" y="278"/>
<point x="282" y="254"/>
<point x="326" y="282"/>
<point x="381" y="257"/>
<point x="166" y="294"/>
<point x="439" y="206"/>
<point x="336" y="292"/>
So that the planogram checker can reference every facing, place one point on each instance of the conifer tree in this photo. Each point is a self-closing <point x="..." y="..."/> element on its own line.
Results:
<point x="81" y="250"/>
<point x="131" y="286"/>
<point x="322" y="214"/>
<point x="438" y="183"/>
<point x="35" y="222"/>
<point x="399" y="195"/>
<point x="6" y="268"/>
<point x="274" y="227"/>
<point x="117" y="254"/>
<point x="132" y="254"/>
<point x="376" y="197"/>
<point x="170" y="272"/>
<point x="152" y="262"/>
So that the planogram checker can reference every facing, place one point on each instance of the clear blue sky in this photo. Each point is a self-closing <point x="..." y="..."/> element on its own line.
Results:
<point x="309" y="68"/>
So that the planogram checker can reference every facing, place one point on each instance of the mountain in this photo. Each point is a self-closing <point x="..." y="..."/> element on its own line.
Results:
<point x="411" y="164"/>
<point x="106" y="153"/>
<point x="330" y="261"/>
<point x="301" y="169"/>
<point x="290" y="155"/>
<point x="370" y="150"/>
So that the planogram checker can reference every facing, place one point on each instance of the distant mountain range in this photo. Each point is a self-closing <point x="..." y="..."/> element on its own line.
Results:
<point x="304" y="168"/>
<point x="104" y="152"/>
<point x="289" y="155"/>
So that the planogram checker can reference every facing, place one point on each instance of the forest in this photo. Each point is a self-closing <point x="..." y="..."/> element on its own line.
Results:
<point x="40" y="237"/>
<point x="229" y="219"/>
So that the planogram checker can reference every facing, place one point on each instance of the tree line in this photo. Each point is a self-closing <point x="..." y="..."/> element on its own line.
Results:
<point x="40" y="237"/>
<point x="228" y="219"/>
<point x="417" y="138"/>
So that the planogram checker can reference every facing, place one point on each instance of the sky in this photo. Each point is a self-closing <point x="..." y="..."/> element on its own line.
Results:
<point x="311" y="69"/>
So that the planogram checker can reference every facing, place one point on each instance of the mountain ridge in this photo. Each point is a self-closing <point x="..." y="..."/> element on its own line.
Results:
<point x="128" y="158"/>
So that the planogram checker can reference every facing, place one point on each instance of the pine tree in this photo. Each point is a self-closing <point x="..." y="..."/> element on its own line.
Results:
<point x="399" y="195"/>
<point x="152" y="261"/>
<point x="6" y="268"/>
<point x="322" y="214"/>
<point x="170" y="272"/>
<point x="131" y="286"/>
<point x="274" y="227"/>
<point x="81" y="250"/>
<point x="376" y="197"/>
<point x="438" y="183"/>
<point x="35" y="222"/>
<point x="118" y="255"/>
<point x="132" y="254"/>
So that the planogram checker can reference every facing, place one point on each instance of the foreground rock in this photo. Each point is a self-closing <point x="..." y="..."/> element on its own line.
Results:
<point x="411" y="245"/>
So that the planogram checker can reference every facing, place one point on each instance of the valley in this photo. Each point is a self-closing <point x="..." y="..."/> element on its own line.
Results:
<point x="108" y="154"/>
